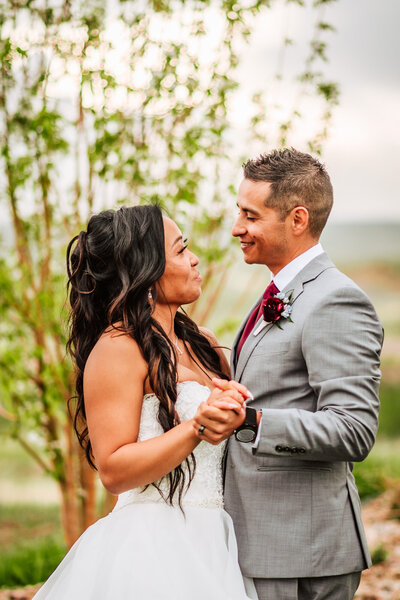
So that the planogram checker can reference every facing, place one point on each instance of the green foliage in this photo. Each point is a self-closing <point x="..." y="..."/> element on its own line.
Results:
<point x="329" y="91"/>
<point x="377" y="472"/>
<point x="31" y="543"/>
<point x="370" y="479"/>
<point x="379" y="554"/>
<point x="374" y="475"/>
<point x="395" y="508"/>
<point x="31" y="561"/>
<point x="323" y="2"/>
<point x="389" y="417"/>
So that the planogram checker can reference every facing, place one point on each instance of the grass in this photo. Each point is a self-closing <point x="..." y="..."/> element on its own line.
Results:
<point x="375" y="473"/>
<point x="379" y="554"/>
<point x="30" y="562"/>
<point x="389" y="417"/>
<point x="15" y="463"/>
<point x="31" y="543"/>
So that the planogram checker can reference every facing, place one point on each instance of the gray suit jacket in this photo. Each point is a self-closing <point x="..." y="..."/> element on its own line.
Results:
<point x="293" y="499"/>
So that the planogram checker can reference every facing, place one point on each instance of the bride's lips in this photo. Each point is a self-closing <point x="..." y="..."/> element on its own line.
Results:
<point x="198" y="277"/>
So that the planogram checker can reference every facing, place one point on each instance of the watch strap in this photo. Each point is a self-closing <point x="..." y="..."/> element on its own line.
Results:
<point x="250" y="421"/>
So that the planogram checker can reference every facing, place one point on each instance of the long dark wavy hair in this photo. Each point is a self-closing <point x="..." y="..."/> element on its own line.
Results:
<point x="111" y="269"/>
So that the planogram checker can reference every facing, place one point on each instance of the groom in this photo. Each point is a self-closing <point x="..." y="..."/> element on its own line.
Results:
<point x="309" y="353"/>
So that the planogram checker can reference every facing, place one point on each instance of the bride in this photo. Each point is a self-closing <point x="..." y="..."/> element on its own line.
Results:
<point x="144" y="373"/>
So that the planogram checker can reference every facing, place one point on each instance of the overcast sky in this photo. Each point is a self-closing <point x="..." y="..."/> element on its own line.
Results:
<point x="363" y="150"/>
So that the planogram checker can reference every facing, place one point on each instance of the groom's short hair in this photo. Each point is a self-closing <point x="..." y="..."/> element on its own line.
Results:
<point x="297" y="179"/>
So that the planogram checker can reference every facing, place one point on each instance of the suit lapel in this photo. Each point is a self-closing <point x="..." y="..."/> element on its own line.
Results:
<point x="239" y="335"/>
<point x="310" y="272"/>
<point x="248" y="348"/>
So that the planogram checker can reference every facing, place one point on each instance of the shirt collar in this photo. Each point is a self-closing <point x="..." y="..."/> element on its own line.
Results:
<point x="289" y="272"/>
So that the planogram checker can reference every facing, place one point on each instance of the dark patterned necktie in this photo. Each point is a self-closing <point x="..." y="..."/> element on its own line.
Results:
<point x="256" y="314"/>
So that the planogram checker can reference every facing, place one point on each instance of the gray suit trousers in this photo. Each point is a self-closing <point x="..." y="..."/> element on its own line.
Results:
<point x="338" y="587"/>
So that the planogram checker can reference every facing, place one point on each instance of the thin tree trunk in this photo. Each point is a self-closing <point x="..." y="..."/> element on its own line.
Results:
<point x="88" y="479"/>
<point x="69" y="520"/>
<point x="69" y="508"/>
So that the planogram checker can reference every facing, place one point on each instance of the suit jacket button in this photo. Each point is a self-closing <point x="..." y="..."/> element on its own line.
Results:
<point x="279" y="448"/>
<point x="287" y="449"/>
<point x="294" y="450"/>
<point x="301" y="450"/>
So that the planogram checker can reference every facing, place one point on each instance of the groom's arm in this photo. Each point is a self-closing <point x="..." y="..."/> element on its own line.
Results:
<point x="341" y="346"/>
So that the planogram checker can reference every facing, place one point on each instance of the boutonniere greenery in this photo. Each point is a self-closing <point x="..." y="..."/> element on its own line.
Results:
<point x="275" y="309"/>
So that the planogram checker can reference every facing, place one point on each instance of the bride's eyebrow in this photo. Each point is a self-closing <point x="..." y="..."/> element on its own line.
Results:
<point x="178" y="239"/>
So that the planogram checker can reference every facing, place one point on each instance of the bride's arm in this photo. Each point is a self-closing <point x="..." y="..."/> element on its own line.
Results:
<point x="113" y="389"/>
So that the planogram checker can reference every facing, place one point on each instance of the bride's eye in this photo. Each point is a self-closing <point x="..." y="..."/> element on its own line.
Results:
<point x="185" y="245"/>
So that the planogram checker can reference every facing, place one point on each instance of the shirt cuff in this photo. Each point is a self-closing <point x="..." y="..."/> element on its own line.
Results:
<point x="257" y="440"/>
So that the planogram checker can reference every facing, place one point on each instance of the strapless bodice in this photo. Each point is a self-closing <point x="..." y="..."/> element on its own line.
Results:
<point x="205" y="491"/>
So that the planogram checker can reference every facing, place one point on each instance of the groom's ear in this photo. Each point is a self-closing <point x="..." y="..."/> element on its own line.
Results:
<point x="299" y="219"/>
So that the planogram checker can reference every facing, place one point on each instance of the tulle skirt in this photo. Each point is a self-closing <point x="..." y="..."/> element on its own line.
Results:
<point x="153" y="552"/>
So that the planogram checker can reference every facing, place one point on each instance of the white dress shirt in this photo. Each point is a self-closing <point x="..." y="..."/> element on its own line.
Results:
<point x="289" y="272"/>
<point x="283" y="278"/>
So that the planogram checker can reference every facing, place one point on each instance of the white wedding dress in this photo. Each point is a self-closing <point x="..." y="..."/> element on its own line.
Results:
<point x="148" y="550"/>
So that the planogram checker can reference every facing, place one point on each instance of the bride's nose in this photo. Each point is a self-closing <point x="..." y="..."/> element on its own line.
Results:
<point x="194" y="261"/>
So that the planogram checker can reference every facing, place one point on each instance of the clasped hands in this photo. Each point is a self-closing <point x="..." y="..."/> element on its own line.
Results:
<point x="223" y="411"/>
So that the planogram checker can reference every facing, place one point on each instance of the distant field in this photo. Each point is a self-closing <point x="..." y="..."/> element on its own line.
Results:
<point x="344" y="241"/>
<point x="362" y="242"/>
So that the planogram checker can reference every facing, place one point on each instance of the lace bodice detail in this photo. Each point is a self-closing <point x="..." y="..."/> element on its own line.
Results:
<point x="206" y="487"/>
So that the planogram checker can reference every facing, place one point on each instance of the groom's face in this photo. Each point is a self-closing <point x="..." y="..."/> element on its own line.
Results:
<point x="262" y="232"/>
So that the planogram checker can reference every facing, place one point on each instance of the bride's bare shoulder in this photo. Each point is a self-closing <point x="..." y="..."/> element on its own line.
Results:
<point x="116" y="350"/>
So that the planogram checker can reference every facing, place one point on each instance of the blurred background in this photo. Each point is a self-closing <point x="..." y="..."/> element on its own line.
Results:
<point x="111" y="103"/>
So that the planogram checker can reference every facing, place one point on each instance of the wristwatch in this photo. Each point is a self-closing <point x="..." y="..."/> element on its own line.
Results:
<point x="247" y="432"/>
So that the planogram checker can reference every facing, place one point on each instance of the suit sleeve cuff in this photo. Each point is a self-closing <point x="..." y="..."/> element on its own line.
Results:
<point x="257" y="440"/>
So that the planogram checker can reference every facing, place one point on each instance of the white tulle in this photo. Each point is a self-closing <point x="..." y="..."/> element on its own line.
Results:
<point x="147" y="550"/>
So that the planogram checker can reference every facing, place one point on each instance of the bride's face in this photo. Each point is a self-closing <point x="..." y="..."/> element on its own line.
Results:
<point x="181" y="281"/>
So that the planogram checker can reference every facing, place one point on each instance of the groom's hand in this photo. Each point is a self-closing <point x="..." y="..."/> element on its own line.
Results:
<point x="223" y="412"/>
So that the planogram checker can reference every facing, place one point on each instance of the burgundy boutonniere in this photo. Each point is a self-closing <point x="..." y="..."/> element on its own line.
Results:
<point x="274" y="309"/>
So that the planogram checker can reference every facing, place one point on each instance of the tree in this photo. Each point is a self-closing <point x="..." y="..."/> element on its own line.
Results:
<point x="104" y="108"/>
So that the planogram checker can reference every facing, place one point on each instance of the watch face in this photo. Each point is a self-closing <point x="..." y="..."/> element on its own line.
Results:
<point x="246" y="435"/>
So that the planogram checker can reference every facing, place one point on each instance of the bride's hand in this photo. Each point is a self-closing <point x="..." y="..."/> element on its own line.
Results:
<point x="216" y="419"/>
<point x="224" y="384"/>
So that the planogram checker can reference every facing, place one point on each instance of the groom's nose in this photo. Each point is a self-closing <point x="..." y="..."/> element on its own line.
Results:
<point x="238" y="227"/>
